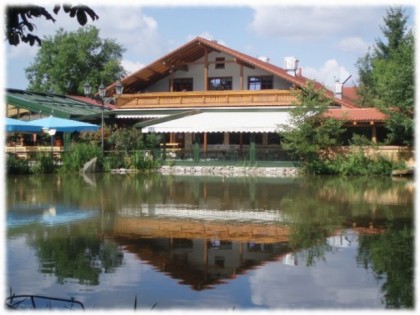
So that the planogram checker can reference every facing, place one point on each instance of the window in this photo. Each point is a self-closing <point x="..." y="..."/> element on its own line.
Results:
<point x="183" y="84"/>
<point x="260" y="83"/>
<point x="220" y="63"/>
<point x="220" y="83"/>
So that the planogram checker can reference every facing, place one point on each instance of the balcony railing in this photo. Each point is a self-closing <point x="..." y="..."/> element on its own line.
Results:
<point x="195" y="99"/>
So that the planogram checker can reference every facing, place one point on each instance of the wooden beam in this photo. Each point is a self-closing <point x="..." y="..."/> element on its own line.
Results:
<point x="206" y="70"/>
<point x="241" y="77"/>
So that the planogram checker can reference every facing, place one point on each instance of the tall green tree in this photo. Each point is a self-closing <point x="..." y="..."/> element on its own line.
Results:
<point x="67" y="60"/>
<point x="387" y="77"/>
<point x="309" y="133"/>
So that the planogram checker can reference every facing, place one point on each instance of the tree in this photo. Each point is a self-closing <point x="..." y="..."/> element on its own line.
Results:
<point x="69" y="59"/>
<point x="19" y="28"/>
<point x="387" y="77"/>
<point x="309" y="132"/>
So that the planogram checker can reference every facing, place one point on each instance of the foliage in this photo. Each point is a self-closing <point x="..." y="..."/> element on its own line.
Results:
<point x="126" y="139"/>
<point x="65" y="62"/>
<point x="357" y="163"/>
<point x="44" y="163"/>
<point x="391" y="257"/>
<point x="17" y="166"/>
<point x="309" y="132"/>
<point x="94" y="137"/>
<point x="141" y="161"/>
<point x="19" y="28"/>
<point x="387" y="77"/>
<point x="78" y="155"/>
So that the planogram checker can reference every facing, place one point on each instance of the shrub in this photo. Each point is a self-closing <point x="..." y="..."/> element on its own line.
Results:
<point x="139" y="160"/>
<point x="44" y="163"/>
<point x="17" y="166"/>
<point x="79" y="154"/>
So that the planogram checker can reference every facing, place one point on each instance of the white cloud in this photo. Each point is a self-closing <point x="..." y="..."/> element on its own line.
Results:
<point x="131" y="28"/>
<point x="353" y="44"/>
<point x="330" y="71"/>
<point x="131" y="66"/>
<point x="313" y="23"/>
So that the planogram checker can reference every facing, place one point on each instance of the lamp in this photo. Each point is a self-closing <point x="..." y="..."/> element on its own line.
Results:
<point x="119" y="88"/>
<point x="51" y="133"/>
<point x="102" y="93"/>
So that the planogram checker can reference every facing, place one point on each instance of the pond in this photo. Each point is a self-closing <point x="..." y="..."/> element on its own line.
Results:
<point x="150" y="241"/>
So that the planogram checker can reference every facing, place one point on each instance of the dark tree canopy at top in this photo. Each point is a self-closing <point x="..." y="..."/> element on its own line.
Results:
<point x="19" y="25"/>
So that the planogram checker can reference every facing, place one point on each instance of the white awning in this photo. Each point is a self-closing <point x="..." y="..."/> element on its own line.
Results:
<point x="258" y="121"/>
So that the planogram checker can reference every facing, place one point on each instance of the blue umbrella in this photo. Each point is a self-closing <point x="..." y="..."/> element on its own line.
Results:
<point x="61" y="124"/>
<point x="15" y="125"/>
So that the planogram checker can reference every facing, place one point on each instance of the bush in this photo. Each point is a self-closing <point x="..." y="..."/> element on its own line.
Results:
<point x="17" y="166"/>
<point x="352" y="164"/>
<point x="44" y="163"/>
<point x="79" y="154"/>
<point x="140" y="161"/>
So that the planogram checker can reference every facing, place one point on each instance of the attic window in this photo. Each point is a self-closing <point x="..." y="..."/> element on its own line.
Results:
<point x="260" y="83"/>
<point x="220" y="63"/>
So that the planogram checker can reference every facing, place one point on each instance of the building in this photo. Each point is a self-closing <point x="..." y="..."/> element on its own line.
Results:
<point x="208" y="94"/>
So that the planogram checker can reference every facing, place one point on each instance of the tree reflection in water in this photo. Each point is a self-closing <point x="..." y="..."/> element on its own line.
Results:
<point x="244" y="223"/>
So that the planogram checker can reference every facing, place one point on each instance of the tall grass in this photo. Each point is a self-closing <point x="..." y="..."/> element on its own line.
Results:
<point x="78" y="155"/>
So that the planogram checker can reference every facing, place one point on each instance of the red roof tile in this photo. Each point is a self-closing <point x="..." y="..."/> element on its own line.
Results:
<point x="90" y="101"/>
<point x="357" y="114"/>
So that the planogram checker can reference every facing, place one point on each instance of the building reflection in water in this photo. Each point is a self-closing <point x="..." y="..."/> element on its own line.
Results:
<point x="201" y="252"/>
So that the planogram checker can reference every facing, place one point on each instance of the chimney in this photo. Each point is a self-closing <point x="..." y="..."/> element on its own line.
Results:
<point x="291" y="65"/>
<point x="338" y="90"/>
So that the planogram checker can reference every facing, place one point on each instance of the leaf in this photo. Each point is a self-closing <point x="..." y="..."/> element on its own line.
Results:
<point x="73" y="12"/>
<point x="67" y="8"/>
<point x="81" y="17"/>
<point x="56" y="8"/>
<point x="91" y="13"/>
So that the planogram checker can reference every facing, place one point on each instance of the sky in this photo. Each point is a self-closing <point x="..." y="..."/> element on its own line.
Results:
<point x="326" y="39"/>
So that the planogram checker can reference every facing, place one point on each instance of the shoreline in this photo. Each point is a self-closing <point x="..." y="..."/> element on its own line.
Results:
<point x="230" y="171"/>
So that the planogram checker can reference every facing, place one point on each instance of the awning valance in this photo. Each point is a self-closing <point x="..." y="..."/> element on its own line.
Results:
<point x="252" y="121"/>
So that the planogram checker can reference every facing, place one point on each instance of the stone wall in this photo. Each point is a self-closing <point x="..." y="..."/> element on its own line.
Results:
<point x="230" y="171"/>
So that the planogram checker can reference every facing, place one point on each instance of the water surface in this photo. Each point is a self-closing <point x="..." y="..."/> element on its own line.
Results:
<point x="190" y="242"/>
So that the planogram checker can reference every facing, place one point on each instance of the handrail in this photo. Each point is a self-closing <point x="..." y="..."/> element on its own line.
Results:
<point x="205" y="98"/>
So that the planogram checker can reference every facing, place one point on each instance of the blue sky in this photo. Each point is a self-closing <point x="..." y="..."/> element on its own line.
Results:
<point x="327" y="39"/>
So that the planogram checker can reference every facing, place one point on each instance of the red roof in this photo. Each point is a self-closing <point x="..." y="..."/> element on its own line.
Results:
<point x="192" y="51"/>
<point x="90" y="101"/>
<point x="350" y="94"/>
<point x="357" y="114"/>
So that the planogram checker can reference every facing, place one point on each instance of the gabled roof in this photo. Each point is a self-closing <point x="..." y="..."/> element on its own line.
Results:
<point x="194" y="50"/>
<point x="52" y="104"/>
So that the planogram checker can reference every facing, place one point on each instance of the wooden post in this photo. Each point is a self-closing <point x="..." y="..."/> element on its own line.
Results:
<point x="374" y="134"/>
<point x="205" y="145"/>
<point x="226" y="138"/>
<point x="265" y="138"/>
<point x="171" y="80"/>
<point x="241" y="77"/>
<point x="206" y="70"/>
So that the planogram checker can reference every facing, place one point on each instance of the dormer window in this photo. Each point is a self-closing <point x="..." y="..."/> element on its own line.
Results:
<point x="220" y="63"/>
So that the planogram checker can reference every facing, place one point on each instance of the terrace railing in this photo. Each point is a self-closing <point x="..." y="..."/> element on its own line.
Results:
<point x="195" y="99"/>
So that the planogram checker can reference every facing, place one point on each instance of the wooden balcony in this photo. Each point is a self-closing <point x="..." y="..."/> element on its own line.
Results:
<point x="197" y="99"/>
